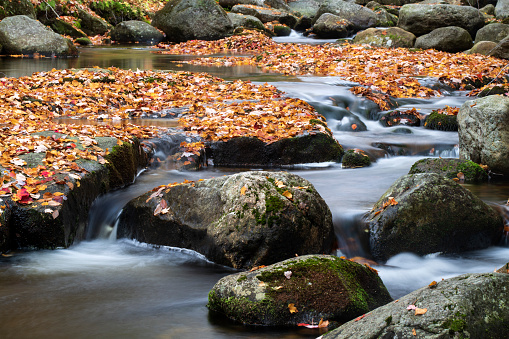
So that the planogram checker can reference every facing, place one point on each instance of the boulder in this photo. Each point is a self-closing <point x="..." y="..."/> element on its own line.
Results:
<point x="243" y="220"/>
<point x="393" y="37"/>
<point x="355" y="158"/>
<point x="330" y="26"/>
<point x="16" y="7"/>
<point x="441" y="121"/>
<point x="422" y="19"/>
<point x="388" y="2"/>
<point x="484" y="132"/>
<point x="385" y="19"/>
<point x="307" y="8"/>
<point x="467" y="306"/>
<point x="450" y="168"/>
<point x="65" y="28"/>
<point x="21" y="35"/>
<point x="409" y="117"/>
<point x="483" y="47"/>
<point x="136" y="31"/>
<point x="502" y="9"/>
<point x="92" y="25"/>
<point x="447" y="39"/>
<point x="183" y="20"/>
<point x="266" y="14"/>
<point x="360" y="17"/>
<point x="495" y="32"/>
<point x="501" y="50"/>
<point x="427" y="213"/>
<point x="488" y="9"/>
<point x="248" y="21"/>
<point x="299" y="290"/>
<point x="245" y="151"/>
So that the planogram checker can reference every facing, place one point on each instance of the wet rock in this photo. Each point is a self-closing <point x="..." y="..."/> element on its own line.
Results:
<point x="441" y="122"/>
<point x="245" y="151"/>
<point x="502" y="9"/>
<point x="318" y="286"/>
<point x="248" y="21"/>
<point x="450" y="168"/>
<point x="467" y="306"/>
<point x="493" y="32"/>
<point x="488" y="9"/>
<point x="183" y="20"/>
<point x="447" y="39"/>
<point x="242" y="220"/>
<point x="303" y="23"/>
<point x="83" y="41"/>
<point x="483" y="47"/>
<point x="360" y="17"/>
<point x="427" y="213"/>
<point x="92" y="25"/>
<point x="21" y="35"/>
<point x="32" y="226"/>
<point x="395" y="118"/>
<point x="339" y="118"/>
<point x="16" y="7"/>
<point x="330" y="26"/>
<point x="422" y="18"/>
<point x="355" y="158"/>
<point x="136" y="31"/>
<point x="483" y="132"/>
<point x="281" y="30"/>
<point x="266" y="14"/>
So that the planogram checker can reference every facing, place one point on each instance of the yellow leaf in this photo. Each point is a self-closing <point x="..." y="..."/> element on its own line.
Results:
<point x="292" y="308"/>
<point x="287" y="194"/>
<point x="323" y="324"/>
<point x="243" y="190"/>
<point x="420" y="311"/>
<point x="413" y="332"/>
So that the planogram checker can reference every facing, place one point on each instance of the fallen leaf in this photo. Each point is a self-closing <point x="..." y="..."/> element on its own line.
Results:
<point x="411" y="307"/>
<point x="414" y="332"/>
<point x="292" y="308"/>
<point x="256" y="268"/>
<point x="288" y="274"/>
<point x="461" y="176"/>
<point x="420" y="311"/>
<point x="243" y="190"/>
<point x="433" y="284"/>
<point x="55" y="214"/>
<point x="323" y="324"/>
<point x="288" y="195"/>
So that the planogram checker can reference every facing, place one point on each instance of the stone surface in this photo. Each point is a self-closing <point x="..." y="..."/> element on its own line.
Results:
<point x="467" y="306"/>
<point x="307" y="8"/>
<point x="421" y="18"/>
<point x="483" y="47"/>
<point x="318" y="286"/>
<point x="450" y="168"/>
<point x="393" y="37"/>
<point x="355" y="158"/>
<point x="427" y="213"/>
<point x="330" y="26"/>
<point x="21" y="35"/>
<point x="248" y="21"/>
<point x="136" y="31"/>
<point x="502" y="9"/>
<point x="493" y="32"/>
<point x="183" y="20"/>
<point x="450" y="39"/>
<point x="266" y="14"/>
<point x="92" y="25"/>
<point x="16" y="7"/>
<point x="360" y="17"/>
<point x="484" y="132"/>
<point x="232" y="225"/>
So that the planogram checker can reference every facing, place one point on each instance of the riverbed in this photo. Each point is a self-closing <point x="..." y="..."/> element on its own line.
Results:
<point x="116" y="288"/>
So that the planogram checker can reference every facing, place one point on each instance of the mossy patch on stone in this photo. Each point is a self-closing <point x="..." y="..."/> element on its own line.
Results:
<point x="450" y="168"/>
<point x="355" y="158"/>
<point x="441" y="122"/>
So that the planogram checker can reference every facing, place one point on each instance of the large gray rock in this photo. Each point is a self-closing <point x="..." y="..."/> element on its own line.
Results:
<point x="276" y="4"/>
<point x="242" y="220"/>
<point x="447" y="39"/>
<point x="330" y="26"/>
<point x="306" y="7"/>
<point x="318" y="286"/>
<point x="493" y="32"/>
<point x="360" y="17"/>
<point x="468" y="306"/>
<point x="389" y="2"/>
<point x="421" y="19"/>
<point x="21" y="35"/>
<point x="16" y="7"/>
<point x="501" y="50"/>
<point x="483" y="47"/>
<point x="393" y="37"/>
<point x="248" y="21"/>
<point x="484" y="132"/>
<point x="502" y="9"/>
<point x="427" y="213"/>
<point x="385" y="19"/>
<point x="136" y="31"/>
<point x="266" y="14"/>
<point x="183" y="20"/>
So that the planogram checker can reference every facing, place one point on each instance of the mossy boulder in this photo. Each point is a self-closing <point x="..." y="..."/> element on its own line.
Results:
<point x="114" y="12"/>
<point x="318" y="286"/>
<point x="183" y="20"/>
<point x="32" y="226"/>
<point x="450" y="39"/>
<point x="450" y="168"/>
<point x="248" y="21"/>
<point x="266" y="14"/>
<point x="242" y="220"/>
<point x="330" y="26"/>
<point x="359" y="16"/>
<point x="136" y="31"/>
<point x="483" y="47"/>
<point x="281" y="30"/>
<point x="92" y="25"/>
<point x="393" y="37"/>
<point x="395" y="118"/>
<point x="65" y="28"/>
<point x="467" y="306"/>
<point x="247" y="151"/>
<point x="427" y="213"/>
<point x="441" y="122"/>
<point x="16" y="7"/>
<point x="355" y="158"/>
<point x="495" y="32"/>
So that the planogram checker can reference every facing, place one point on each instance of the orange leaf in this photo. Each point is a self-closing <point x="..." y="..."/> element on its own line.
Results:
<point x="243" y="190"/>
<point x="323" y="323"/>
<point x="287" y="194"/>
<point x="292" y="308"/>
<point x="433" y="284"/>
<point x="413" y="332"/>
<point x="420" y="311"/>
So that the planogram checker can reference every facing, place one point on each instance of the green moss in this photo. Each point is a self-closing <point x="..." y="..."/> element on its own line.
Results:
<point x="115" y="12"/>
<point x="388" y="320"/>
<point x="456" y="324"/>
<point x="354" y="159"/>
<point x="441" y="122"/>
<point x="241" y="279"/>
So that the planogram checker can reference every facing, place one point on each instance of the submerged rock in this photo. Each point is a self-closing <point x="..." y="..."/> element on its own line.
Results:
<point x="450" y="168"/>
<point x="299" y="290"/>
<point x="242" y="220"/>
<point x="427" y="213"/>
<point x="468" y="306"/>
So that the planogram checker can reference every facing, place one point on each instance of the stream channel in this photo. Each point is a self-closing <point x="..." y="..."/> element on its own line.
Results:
<point x="116" y="288"/>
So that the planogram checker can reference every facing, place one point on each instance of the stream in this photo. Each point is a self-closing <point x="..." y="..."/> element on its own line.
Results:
<point x="116" y="288"/>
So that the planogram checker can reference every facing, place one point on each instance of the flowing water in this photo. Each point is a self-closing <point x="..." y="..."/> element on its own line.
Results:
<point x="110" y="288"/>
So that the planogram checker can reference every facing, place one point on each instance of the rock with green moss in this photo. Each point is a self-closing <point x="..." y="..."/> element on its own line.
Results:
<point x="450" y="168"/>
<point x="16" y="7"/>
<point x="59" y="224"/>
<point x="248" y="151"/>
<point x="65" y="28"/>
<point x="266" y="14"/>
<point x="355" y="158"/>
<point x="92" y="25"/>
<point x="83" y="41"/>
<point x="248" y="21"/>
<point x="393" y="37"/>
<point x="317" y="286"/>
<point x="183" y="20"/>
<point x="427" y="213"/>
<point x="441" y="122"/>
<point x="281" y="30"/>
<point x="467" y="306"/>
<point x="242" y="220"/>
<point x="114" y="12"/>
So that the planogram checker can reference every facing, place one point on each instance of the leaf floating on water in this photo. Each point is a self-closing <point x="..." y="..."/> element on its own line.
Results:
<point x="292" y="308"/>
